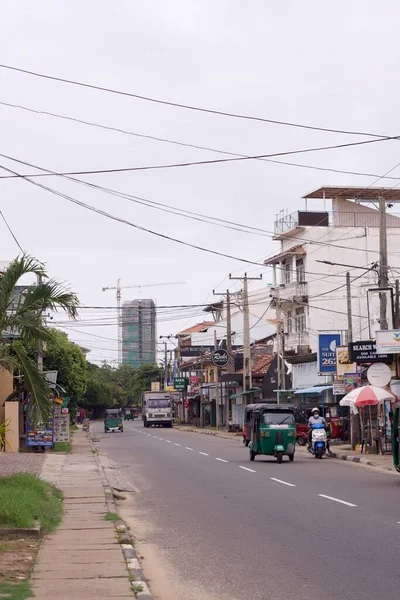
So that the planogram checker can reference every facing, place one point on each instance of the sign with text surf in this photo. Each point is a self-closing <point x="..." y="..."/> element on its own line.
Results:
<point x="327" y="343"/>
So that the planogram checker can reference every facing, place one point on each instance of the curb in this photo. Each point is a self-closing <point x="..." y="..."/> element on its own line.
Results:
<point x="358" y="459"/>
<point x="136" y="574"/>
<point x="221" y="434"/>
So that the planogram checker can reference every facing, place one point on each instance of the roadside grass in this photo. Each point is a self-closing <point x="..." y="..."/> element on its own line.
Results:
<point x="25" y="499"/>
<point x="3" y="548"/>
<point x="16" y="591"/>
<point x="62" y="447"/>
<point x="111" y="517"/>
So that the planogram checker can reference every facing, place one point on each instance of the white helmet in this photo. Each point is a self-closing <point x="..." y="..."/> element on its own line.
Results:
<point x="314" y="410"/>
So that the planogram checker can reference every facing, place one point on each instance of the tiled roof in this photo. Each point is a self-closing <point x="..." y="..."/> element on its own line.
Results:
<point x="261" y="365"/>
<point x="198" y="328"/>
<point x="298" y="250"/>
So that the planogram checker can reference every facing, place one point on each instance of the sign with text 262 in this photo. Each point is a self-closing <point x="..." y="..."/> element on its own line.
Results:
<point x="327" y="343"/>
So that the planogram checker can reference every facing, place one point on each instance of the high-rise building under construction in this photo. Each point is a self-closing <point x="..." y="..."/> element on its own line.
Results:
<point x="138" y="319"/>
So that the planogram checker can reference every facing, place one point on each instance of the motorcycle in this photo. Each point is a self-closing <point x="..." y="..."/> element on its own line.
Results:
<point x="318" y="440"/>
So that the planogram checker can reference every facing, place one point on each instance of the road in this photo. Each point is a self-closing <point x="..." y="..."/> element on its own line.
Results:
<point x="213" y="526"/>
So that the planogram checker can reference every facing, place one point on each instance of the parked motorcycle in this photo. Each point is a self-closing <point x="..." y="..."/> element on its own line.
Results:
<point x="318" y="440"/>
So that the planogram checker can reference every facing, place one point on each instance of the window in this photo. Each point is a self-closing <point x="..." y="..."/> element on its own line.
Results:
<point x="278" y="418"/>
<point x="300" y="319"/>
<point x="300" y="270"/>
<point x="287" y="267"/>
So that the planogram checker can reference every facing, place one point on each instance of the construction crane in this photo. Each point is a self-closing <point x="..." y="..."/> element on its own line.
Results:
<point x="118" y="289"/>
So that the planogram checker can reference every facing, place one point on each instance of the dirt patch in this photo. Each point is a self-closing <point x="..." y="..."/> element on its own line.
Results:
<point x="17" y="558"/>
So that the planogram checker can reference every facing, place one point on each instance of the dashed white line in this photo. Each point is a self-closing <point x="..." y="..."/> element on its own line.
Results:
<point x="337" y="500"/>
<point x="175" y="444"/>
<point x="168" y="441"/>
<point x="162" y="439"/>
<point x="187" y="448"/>
<point x="204" y="453"/>
<point x="284" y="482"/>
<point x="247" y="469"/>
<point x="222" y="460"/>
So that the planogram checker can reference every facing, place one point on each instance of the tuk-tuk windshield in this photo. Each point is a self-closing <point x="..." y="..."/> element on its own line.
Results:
<point x="278" y="417"/>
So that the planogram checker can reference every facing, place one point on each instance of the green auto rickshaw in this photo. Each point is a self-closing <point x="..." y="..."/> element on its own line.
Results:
<point x="273" y="431"/>
<point x="113" y="420"/>
<point x="396" y="436"/>
<point x="128" y="414"/>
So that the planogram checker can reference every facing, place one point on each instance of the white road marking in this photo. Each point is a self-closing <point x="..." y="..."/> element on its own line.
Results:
<point x="187" y="448"/>
<point x="175" y="444"/>
<point x="284" y="482"/>
<point x="222" y="460"/>
<point x="168" y="441"/>
<point x="162" y="439"/>
<point x="247" y="469"/>
<point x="204" y="453"/>
<point x="336" y="500"/>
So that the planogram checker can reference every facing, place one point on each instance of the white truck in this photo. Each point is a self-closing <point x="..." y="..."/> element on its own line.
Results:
<point x="157" y="409"/>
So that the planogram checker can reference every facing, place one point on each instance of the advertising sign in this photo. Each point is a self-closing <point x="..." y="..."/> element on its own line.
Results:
<point x="327" y="343"/>
<point x="180" y="383"/>
<point x="388" y="341"/>
<point x="40" y="435"/>
<point x="186" y="351"/>
<point x="61" y="425"/>
<point x="343" y="364"/>
<point x="366" y="352"/>
<point x="379" y="374"/>
<point x="339" y="388"/>
<point x="220" y="358"/>
<point x="351" y="381"/>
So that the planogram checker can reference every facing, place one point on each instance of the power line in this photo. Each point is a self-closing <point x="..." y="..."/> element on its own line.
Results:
<point x="11" y="231"/>
<point x="183" y="144"/>
<point x="187" y="106"/>
<point x="200" y="162"/>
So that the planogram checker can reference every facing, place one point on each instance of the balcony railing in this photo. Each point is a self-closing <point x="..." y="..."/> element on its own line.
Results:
<point x="333" y="219"/>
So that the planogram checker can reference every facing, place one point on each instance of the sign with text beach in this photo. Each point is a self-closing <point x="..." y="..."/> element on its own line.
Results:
<point x="327" y="343"/>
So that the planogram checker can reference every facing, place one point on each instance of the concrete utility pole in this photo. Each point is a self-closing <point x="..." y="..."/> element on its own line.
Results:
<point x="231" y="360"/>
<point x="216" y="384"/>
<point x="40" y="342"/>
<point x="165" y="337"/>
<point x="349" y="316"/>
<point x="383" y="265"/>
<point x="397" y="306"/>
<point x="279" y="347"/>
<point x="246" y="329"/>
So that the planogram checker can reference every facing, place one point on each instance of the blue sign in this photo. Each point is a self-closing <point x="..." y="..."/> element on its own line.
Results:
<point x="327" y="343"/>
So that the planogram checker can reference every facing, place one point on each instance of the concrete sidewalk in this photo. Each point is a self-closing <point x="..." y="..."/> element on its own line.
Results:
<point x="83" y="558"/>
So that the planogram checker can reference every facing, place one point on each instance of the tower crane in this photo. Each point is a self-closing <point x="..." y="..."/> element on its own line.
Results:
<point x="118" y="289"/>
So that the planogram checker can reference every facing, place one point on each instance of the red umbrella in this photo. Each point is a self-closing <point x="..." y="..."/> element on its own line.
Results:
<point x="370" y="395"/>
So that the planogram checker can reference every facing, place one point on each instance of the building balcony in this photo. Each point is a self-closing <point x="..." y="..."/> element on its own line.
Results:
<point x="294" y="291"/>
<point x="285" y="223"/>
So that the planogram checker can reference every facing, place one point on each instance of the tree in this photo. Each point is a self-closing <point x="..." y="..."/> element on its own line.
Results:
<point x="68" y="360"/>
<point x="98" y="392"/>
<point x="21" y="319"/>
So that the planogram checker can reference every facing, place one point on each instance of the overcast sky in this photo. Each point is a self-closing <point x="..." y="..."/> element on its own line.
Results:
<point x="327" y="64"/>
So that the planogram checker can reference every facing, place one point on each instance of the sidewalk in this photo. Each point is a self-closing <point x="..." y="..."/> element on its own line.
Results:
<point x="339" y="451"/>
<point x="83" y="558"/>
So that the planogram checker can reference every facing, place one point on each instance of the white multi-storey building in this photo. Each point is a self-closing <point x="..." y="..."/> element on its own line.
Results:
<point x="317" y="248"/>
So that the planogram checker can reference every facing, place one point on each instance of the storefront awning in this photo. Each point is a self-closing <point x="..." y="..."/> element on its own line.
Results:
<point x="314" y="390"/>
<point x="240" y="394"/>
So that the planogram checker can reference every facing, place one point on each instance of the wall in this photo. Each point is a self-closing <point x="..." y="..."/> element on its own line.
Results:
<point x="6" y="388"/>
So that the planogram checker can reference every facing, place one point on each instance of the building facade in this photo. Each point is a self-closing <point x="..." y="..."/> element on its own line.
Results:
<point x="138" y="321"/>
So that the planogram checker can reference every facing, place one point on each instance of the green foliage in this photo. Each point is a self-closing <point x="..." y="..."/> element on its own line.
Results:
<point x="20" y="318"/>
<point x="110" y="516"/>
<point x="122" y="386"/>
<point x="25" y="499"/>
<point x="20" y="590"/>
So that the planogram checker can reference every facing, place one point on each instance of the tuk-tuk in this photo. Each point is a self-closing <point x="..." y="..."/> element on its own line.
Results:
<point x="248" y="415"/>
<point x="396" y="436"/>
<point x="273" y="431"/>
<point x="113" y="420"/>
<point x="128" y="414"/>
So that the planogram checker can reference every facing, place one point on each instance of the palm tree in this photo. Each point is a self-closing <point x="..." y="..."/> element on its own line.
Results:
<point x="21" y="325"/>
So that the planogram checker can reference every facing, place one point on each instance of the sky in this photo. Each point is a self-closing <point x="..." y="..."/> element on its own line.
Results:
<point x="332" y="65"/>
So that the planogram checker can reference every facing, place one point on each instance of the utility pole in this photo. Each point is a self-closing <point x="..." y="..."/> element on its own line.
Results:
<point x="383" y="264"/>
<point x="231" y="361"/>
<point x="246" y="330"/>
<point x="40" y="342"/>
<point x="349" y="315"/>
<point x="165" y="337"/>
<point x="216" y="384"/>
<point x="397" y="306"/>
<point x="279" y="347"/>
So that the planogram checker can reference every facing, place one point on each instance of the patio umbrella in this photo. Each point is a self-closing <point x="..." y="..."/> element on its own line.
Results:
<point x="370" y="395"/>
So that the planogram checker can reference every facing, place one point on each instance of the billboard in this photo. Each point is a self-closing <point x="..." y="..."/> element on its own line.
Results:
<point x="388" y="341"/>
<point x="343" y="364"/>
<point x="327" y="343"/>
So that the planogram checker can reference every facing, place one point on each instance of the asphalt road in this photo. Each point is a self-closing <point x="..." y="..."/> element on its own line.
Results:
<point x="225" y="528"/>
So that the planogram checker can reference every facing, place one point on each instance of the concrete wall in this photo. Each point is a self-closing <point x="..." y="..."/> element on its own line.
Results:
<point x="12" y="435"/>
<point x="6" y="388"/>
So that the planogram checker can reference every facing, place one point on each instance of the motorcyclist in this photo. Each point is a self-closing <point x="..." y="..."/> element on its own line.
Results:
<point x="313" y="420"/>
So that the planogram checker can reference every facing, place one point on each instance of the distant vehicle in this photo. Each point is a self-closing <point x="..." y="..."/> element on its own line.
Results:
<point x="113" y="420"/>
<point x="318" y="440"/>
<point x="157" y="409"/>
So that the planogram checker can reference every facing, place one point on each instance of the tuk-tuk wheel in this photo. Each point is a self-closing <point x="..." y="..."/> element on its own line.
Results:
<point x="279" y="457"/>
<point x="291" y="457"/>
<point x="301" y="440"/>
<point x="246" y="442"/>
<point x="252" y="455"/>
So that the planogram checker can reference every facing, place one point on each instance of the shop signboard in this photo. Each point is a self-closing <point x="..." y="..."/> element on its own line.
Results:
<point x="61" y="425"/>
<point x="339" y="388"/>
<point x="327" y="343"/>
<point x="220" y="357"/>
<point x="180" y="383"/>
<point x="351" y="381"/>
<point x="343" y="364"/>
<point x="366" y="352"/>
<point x="388" y="341"/>
<point x="186" y="351"/>
<point x="41" y="434"/>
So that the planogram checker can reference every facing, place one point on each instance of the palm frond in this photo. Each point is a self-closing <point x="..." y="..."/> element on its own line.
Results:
<point x="50" y="295"/>
<point x="39" y="404"/>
